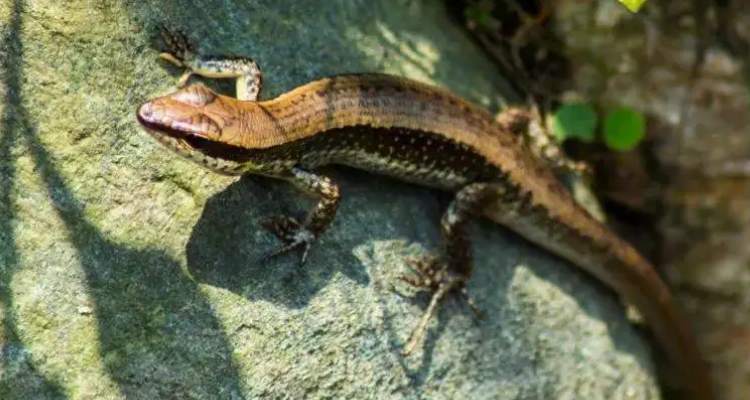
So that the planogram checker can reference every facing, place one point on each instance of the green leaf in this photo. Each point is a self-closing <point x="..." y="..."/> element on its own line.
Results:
<point x="575" y="120"/>
<point x="624" y="128"/>
<point x="633" y="5"/>
<point x="479" y="14"/>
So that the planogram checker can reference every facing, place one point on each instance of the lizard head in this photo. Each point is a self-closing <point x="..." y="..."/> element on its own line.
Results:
<point x="194" y="123"/>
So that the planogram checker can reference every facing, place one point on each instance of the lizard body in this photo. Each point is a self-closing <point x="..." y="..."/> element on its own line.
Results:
<point x="418" y="133"/>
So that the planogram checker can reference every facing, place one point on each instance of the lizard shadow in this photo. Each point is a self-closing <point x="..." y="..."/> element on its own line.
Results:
<point x="228" y="242"/>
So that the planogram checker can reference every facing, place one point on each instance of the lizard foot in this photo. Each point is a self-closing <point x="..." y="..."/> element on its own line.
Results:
<point x="291" y="232"/>
<point x="302" y="235"/>
<point x="178" y="43"/>
<point x="180" y="51"/>
<point x="438" y="277"/>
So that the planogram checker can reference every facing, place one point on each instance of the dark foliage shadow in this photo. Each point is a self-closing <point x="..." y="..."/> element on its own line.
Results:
<point x="27" y="381"/>
<point x="227" y="243"/>
<point x="148" y="313"/>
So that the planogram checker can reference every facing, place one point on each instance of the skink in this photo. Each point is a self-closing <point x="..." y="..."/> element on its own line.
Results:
<point x="422" y="134"/>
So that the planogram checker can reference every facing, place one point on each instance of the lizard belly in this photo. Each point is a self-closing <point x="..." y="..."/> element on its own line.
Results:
<point x="419" y="157"/>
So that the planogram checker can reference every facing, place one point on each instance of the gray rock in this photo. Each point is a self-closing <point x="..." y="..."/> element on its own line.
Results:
<point x="126" y="272"/>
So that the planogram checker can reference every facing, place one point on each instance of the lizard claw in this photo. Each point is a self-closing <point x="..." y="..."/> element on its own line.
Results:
<point x="291" y="232"/>
<point x="180" y="52"/>
<point x="425" y="268"/>
<point x="437" y="276"/>
<point x="282" y="227"/>
<point x="418" y="332"/>
<point x="180" y="47"/>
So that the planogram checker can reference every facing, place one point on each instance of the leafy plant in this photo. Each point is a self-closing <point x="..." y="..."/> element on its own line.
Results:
<point x="575" y="120"/>
<point x="633" y="5"/>
<point x="480" y="13"/>
<point x="623" y="128"/>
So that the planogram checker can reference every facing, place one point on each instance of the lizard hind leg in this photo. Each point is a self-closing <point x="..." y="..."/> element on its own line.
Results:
<point x="453" y="269"/>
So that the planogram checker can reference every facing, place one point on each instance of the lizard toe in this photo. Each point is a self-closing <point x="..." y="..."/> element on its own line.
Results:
<point x="283" y="227"/>
<point x="292" y="233"/>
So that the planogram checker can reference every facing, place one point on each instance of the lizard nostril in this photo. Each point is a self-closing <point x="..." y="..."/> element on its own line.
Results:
<point x="144" y="112"/>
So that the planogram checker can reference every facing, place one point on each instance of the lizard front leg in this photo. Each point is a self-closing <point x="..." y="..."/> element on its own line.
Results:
<point x="298" y="235"/>
<point x="182" y="52"/>
<point x="453" y="270"/>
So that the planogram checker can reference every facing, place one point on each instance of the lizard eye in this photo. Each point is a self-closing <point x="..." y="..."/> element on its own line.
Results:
<point x="197" y="125"/>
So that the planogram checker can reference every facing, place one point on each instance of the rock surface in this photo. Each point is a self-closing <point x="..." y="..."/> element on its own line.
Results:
<point x="126" y="272"/>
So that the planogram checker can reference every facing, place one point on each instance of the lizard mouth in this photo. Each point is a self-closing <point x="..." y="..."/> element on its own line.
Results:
<point x="172" y="132"/>
<point x="181" y="141"/>
<point x="163" y="132"/>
